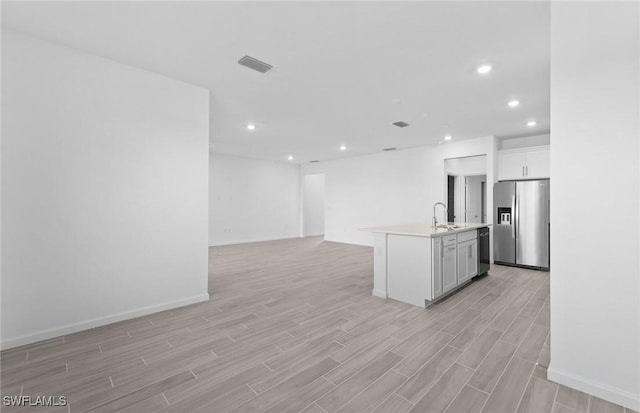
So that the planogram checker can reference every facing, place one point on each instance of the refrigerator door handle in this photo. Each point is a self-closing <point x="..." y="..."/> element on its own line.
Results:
<point x="513" y="218"/>
<point x="517" y="217"/>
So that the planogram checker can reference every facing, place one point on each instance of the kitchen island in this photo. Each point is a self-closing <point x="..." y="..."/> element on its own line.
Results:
<point x="419" y="265"/>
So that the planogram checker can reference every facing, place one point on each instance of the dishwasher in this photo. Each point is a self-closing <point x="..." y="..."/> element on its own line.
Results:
<point x="483" y="250"/>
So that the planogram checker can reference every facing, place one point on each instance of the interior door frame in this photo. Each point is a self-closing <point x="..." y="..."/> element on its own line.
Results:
<point x="464" y="200"/>
<point x="483" y="195"/>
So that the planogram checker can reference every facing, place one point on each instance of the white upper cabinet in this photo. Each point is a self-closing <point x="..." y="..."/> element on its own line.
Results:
<point x="511" y="165"/>
<point x="537" y="163"/>
<point x="527" y="163"/>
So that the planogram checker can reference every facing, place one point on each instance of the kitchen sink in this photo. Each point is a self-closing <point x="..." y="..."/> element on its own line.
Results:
<point x="449" y="227"/>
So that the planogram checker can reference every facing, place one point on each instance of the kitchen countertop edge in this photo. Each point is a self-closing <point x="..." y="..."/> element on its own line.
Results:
<point x="424" y="230"/>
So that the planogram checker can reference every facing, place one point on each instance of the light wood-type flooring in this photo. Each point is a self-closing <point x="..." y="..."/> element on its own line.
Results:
<point x="292" y="327"/>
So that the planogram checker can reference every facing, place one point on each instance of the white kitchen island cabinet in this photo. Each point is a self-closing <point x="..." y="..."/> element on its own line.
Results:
<point x="417" y="265"/>
<point x="467" y="256"/>
<point x="449" y="265"/>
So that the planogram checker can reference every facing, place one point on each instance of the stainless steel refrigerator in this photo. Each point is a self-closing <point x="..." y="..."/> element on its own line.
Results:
<point x="521" y="223"/>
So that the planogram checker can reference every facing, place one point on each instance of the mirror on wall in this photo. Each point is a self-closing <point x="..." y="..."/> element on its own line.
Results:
<point x="466" y="189"/>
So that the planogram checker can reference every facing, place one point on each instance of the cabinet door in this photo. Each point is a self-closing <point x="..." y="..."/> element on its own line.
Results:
<point x="436" y="269"/>
<point x="467" y="260"/>
<point x="463" y="253"/>
<point x="511" y="165"/>
<point x="537" y="163"/>
<point x="472" y="259"/>
<point x="449" y="270"/>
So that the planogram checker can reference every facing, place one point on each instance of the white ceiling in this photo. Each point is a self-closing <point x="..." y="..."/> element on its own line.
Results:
<point x="339" y="67"/>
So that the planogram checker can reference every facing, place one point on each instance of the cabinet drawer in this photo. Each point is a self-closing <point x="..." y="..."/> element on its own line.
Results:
<point x="449" y="239"/>
<point x="468" y="235"/>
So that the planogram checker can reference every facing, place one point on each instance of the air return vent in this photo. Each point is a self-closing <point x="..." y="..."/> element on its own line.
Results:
<point x="400" y="124"/>
<point x="389" y="149"/>
<point x="255" y="64"/>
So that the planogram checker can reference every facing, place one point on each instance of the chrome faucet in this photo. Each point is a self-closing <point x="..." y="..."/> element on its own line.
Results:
<point x="435" y="221"/>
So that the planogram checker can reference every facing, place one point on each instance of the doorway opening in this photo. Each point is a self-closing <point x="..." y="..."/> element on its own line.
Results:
<point x="451" y="190"/>
<point x="466" y="189"/>
<point x="474" y="198"/>
<point x="313" y="187"/>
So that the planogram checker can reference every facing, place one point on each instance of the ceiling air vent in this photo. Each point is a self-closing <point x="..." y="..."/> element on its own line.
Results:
<point x="389" y="149"/>
<point x="255" y="64"/>
<point x="313" y="161"/>
<point x="400" y="124"/>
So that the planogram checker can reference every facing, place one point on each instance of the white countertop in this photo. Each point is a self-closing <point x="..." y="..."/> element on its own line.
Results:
<point x="423" y="229"/>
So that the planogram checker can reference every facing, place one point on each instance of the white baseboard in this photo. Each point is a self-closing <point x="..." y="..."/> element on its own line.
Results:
<point x="603" y="391"/>
<point x="379" y="293"/>
<point x="370" y="244"/>
<point x="249" y="241"/>
<point x="97" y="322"/>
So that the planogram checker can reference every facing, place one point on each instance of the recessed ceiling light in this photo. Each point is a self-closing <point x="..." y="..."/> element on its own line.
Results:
<point x="447" y="138"/>
<point x="343" y="148"/>
<point x="513" y="103"/>
<point x="290" y="158"/>
<point x="532" y="123"/>
<point x="484" y="69"/>
<point x="251" y="126"/>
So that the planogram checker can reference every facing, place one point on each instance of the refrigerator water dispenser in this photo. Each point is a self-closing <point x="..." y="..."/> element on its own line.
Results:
<point x="504" y="216"/>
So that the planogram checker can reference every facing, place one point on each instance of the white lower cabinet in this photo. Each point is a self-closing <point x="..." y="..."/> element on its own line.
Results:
<point x="436" y="266"/>
<point x="453" y="262"/>
<point x="467" y="260"/>
<point x="449" y="272"/>
<point x="422" y="269"/>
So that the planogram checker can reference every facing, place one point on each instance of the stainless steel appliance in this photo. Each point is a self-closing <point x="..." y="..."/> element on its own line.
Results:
<point x="521" y="223"/>
<point x="483" y="250"/>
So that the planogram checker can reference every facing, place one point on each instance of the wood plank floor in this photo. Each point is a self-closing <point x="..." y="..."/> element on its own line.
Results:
<point x="292" y="327"/>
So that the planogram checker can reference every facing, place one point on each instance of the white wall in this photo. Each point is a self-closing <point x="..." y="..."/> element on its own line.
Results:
<point x="391" y="187"/>
<point x="595" y="279"/>
<point x="104" y="191"/>
<point x="0" y="197"/>
<point x="470" y="165"/>
<point x="525" y="142"/>
<point x="313" y="204"/>
<point x="252" y="200"/>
